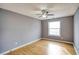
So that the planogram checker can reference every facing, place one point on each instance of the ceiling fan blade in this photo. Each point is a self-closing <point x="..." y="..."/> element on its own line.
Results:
<point x="50" y="14"/>
<point x="37" y="14"/>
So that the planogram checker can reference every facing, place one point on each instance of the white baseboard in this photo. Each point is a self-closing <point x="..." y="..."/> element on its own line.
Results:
<point x="31" y="43"/>
<point x="58" y="40"/>
<point x="75" y="50"/>
<point x="19" y="47"/>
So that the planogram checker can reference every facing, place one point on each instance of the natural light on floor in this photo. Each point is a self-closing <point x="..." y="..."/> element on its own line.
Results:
<point x="56" y="50"/>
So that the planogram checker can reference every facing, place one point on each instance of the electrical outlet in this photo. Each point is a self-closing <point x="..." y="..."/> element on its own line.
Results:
<point x="16" y="43"/>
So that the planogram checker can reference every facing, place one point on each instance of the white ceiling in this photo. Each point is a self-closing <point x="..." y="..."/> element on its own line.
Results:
<point x="31" y="9"/>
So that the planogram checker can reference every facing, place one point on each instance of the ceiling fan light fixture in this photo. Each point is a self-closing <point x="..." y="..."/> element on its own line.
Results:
<point x="44" y="16"/>
<point x="44" y="13"/>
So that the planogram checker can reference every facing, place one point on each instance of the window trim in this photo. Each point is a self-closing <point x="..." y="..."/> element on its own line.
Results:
<point x="54" y="28"/>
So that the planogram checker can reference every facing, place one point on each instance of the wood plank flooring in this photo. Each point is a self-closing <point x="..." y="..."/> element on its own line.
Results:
<point x="45" y="47"/>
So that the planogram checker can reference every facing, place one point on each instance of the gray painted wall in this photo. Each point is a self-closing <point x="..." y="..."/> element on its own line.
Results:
<point x="66" y="28"/>
<point x="17" y="28"/>
<point x="76" y="30"/>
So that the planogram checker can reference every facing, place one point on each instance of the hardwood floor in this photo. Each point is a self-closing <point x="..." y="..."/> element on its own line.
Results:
<point x="45" y="47"/>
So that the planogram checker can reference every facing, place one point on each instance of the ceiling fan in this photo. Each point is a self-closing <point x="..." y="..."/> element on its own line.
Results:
<point x="44" y="14"/>
<point x="43" y="11"/>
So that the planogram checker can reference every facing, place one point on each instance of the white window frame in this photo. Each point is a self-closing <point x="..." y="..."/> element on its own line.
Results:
<point x="54" y="28"/>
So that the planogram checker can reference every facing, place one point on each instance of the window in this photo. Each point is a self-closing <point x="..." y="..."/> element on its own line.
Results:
<point x="54" y="28"/>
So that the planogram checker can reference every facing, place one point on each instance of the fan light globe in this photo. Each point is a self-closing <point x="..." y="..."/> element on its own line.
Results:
<point x="44" y="16"/>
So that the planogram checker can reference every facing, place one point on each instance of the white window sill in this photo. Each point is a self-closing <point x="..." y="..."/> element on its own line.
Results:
<point x="54" y="35"/>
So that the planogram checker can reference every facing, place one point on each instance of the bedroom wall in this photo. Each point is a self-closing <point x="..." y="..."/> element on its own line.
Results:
<point x="66" y="29"/>
<point x="17" y="29"/>
<point x="76" y="30"/>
